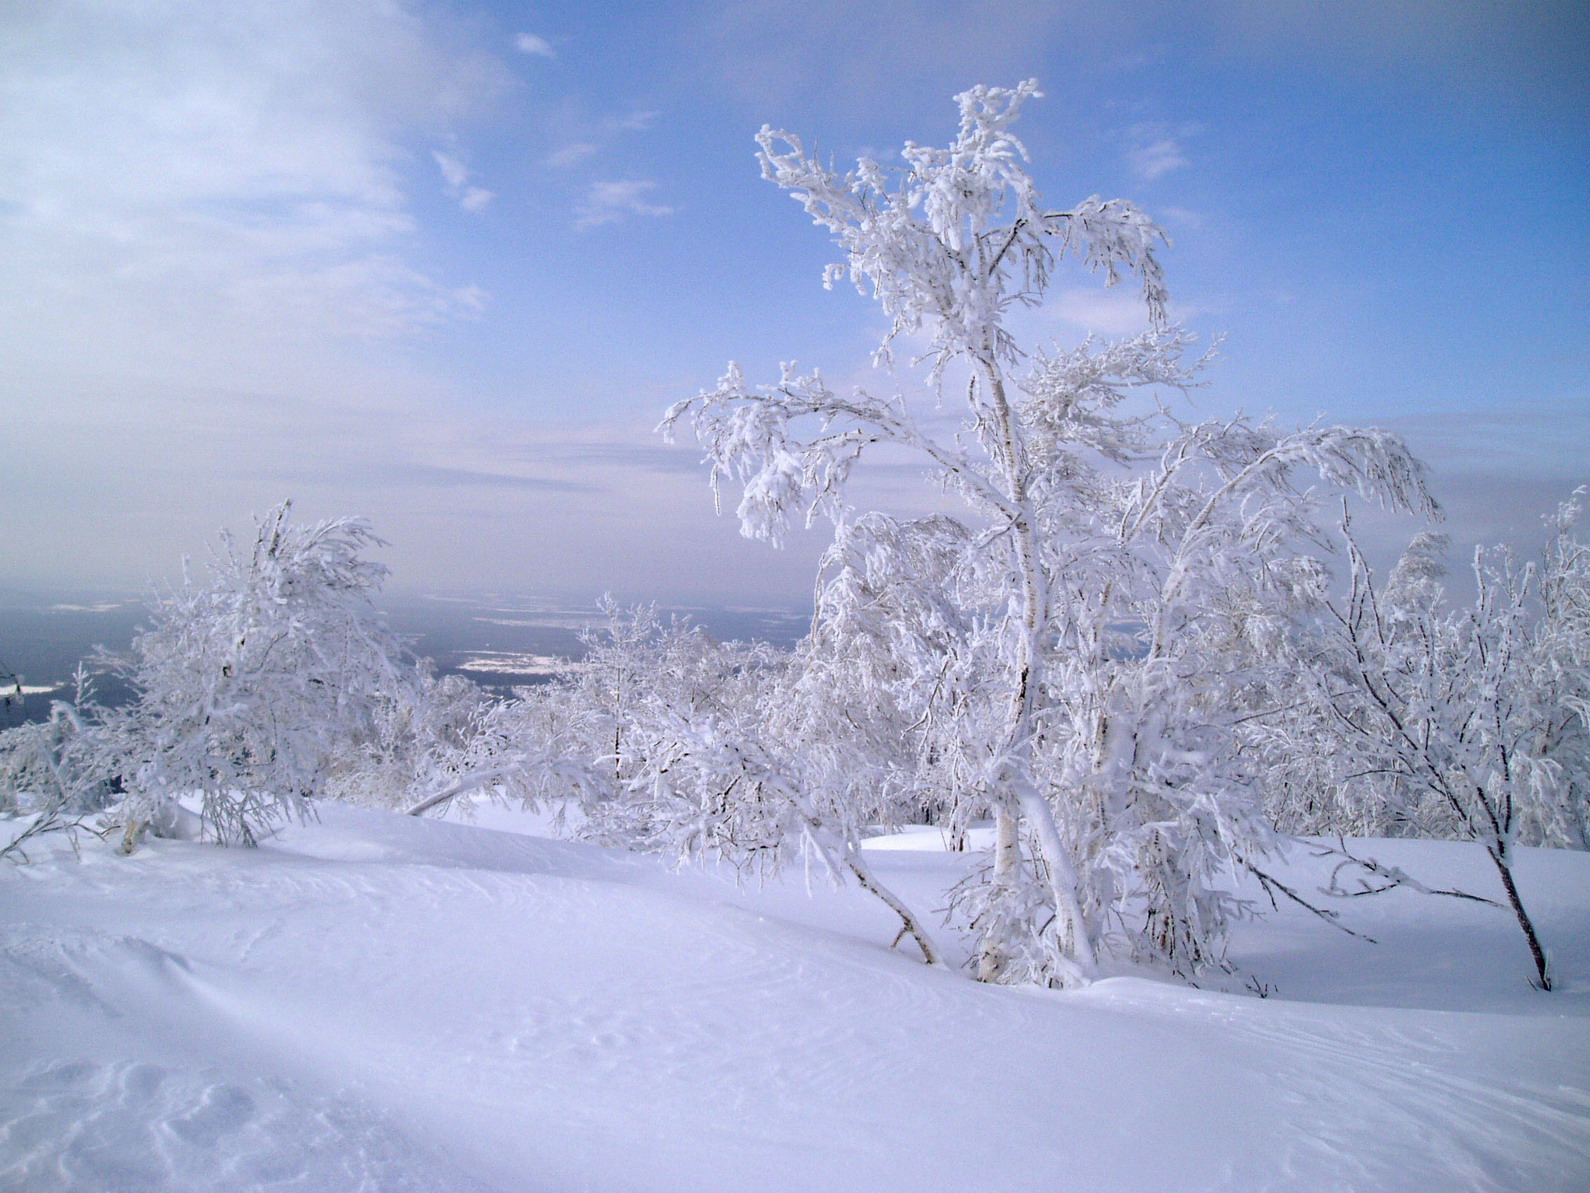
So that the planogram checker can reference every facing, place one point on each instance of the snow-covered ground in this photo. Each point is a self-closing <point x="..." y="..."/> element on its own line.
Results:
<point x="374" y="1002"/>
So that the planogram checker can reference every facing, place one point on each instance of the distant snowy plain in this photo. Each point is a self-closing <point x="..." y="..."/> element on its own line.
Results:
<point x="373" y="1002"/>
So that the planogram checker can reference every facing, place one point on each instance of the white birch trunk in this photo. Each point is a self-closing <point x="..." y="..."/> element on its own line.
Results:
<point x="1017" y="776"/>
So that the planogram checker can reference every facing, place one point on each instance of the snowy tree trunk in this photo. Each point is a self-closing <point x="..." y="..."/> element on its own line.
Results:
<point x="1017" y="772"/>
<point x="992" y="953"/>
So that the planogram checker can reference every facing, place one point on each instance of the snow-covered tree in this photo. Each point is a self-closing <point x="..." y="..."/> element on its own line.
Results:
<point x="253" y="685"/>
<point x="577" y="738"/>
<point x="1070" y="651"/>
<point x="716" y="755"/>
<point x="664" y="740"/>
<point x="1563" y="642"/>
<point x="1465" y="723"/>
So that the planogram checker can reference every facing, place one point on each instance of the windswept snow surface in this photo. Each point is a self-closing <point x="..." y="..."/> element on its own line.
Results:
<point x="374" y="1002"/>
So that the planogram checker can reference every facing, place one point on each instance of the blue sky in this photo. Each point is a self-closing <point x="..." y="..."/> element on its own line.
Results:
<point x="444" y="264"/>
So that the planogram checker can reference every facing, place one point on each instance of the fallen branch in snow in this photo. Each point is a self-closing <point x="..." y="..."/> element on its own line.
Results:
<point x="508" y="779"/>
<point x="909" y="924"/>
<point x="465" y="785"/>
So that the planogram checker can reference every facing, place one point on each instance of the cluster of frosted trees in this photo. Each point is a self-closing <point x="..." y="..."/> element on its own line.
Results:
<point x="267" y="684"/>
<point x="1143" y="650"/>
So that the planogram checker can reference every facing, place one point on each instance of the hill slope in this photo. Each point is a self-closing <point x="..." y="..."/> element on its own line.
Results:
<point x="375" y="1002"/>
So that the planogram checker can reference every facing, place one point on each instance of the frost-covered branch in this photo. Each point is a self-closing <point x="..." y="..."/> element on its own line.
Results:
<point x="1387" y="877"/>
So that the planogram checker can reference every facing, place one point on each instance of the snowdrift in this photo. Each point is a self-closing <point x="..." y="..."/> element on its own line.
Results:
<point x="373" y="1002"/>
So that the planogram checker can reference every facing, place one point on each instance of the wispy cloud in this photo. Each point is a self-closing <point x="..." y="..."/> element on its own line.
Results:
<point x="769" y="52"/>
<point x="530" y="43"/>
<point x="1531" y="52"/>
<point x="465" y="498"/>
<point x="433" y="476"/>
<point x="637" y="121"/>
<point x="1496" y="473"/>
<point x="1156" y="158"/>
<point x="1113" y="312"/>
<point x="1154" y="150"/>
<point x="571" y="155"/>
<point x="611" y="202"/>
<point x="455" y="179"/>
<point x="584" y="136"/>
<point x="1180" y="215"/>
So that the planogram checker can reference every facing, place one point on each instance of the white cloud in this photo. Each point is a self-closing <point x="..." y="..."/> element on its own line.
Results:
<point x="585" y="135"/>
<point x="465" y="499"/>
<point x="218" y="184"/>
<point x="1156" y="158"/>
<point x="1155" y="150"/>
<point x="610" y="202"/>
<point x="454" y="172"/>
<point x="770" y="51"/>
<point x="637" y="121"/>
<point x="571" y="155"/>
<point x="455" y="177"/>
<point x="1180" y="215"/>
<point x="529" y="43"/>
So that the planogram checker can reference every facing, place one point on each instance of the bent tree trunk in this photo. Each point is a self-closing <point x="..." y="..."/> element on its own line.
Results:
<point x="1502" y="856"/>
<point x="911" y="924"/>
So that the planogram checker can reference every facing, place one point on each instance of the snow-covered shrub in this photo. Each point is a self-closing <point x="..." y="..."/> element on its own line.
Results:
<point x="662" y="739"/>
<point x="583" y="737"/>
<point x="415" y="740"/>
<point x="251" y="687"/>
